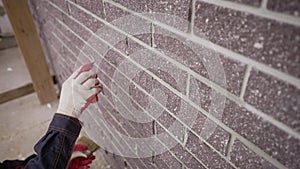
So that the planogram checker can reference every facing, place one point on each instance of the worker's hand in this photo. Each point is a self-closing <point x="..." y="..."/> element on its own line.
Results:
<point x="78" y="91"/>
<point x="83" y="159"/>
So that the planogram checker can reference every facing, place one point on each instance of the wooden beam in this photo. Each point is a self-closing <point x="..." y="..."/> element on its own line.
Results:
<point x="16" y="93"/>
<point x="29" y="43"/>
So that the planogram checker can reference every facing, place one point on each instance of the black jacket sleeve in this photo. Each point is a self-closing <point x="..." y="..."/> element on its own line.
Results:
<point x="54" y="149"/>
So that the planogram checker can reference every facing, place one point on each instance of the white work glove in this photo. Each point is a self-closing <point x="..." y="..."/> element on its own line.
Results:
<point x="78" y="91"/>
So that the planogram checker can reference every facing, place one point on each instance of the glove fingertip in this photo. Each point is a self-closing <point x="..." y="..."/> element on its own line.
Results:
<point x="84" y="68"/>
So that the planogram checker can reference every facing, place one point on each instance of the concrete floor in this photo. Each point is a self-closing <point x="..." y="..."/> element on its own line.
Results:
<point x="13" y="71"/>
<point x="23" y="121"/>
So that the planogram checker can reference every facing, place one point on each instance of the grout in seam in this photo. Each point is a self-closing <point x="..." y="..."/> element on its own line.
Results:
<point x="245" y="81"/>
<point x="229" y="146"/>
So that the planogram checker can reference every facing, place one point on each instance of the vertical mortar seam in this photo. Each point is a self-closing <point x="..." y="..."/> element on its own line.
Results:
<point x="229" y="146"/>
<point x="245" y="81"/>
<point x="188" y="81"/>
<point x="207" y="82"/>
<point x="233" y="55"/>
<point x="264" y="4"/>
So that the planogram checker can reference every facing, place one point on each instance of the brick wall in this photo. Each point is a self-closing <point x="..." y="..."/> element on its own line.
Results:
<point x="242" y="79"/>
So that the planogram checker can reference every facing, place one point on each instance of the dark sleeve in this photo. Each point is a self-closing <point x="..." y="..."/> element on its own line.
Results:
<point x="54" y="149"/>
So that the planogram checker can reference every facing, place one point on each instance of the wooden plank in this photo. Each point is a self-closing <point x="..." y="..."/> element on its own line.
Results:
<point x="28" y="40"/>
<point x="16" y="93"/>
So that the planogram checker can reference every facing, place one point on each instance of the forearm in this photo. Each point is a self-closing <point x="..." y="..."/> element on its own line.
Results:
<point x="54" y="149"/>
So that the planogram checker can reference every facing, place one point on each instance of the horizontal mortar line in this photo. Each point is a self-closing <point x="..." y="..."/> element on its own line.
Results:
<point x="163" y="128"/>
<point x="172" y="116"/>
<point x="252" y="109"/>
<point x="62" y="62"/>
<point x="130" y="124"/>
<point x="201" y="78"/>
<point x="118" y="84"/>
<point x="257" y="149"/>
<point x="157" y="102"/>
<point x="116" y="147"/>
<point x="232" y="97"/>
<point x="61" y="41"/>
<point x="62" y="34"/>
<point x="54" y="26"/>
<point x="108" y="128"/>
<point x="162" y="107"/>
<point x="249" y="144"/>
<point x="206" y="43"/>
<point x="226" y="93"/>
<point x="122" y="88"/>
<point x="246" y="142"/>
<point x="215" y="120"/>
<point x="51" y="46"/>
<point x="145" y="92"/>
<point x="66" y="46"/>
<point x="262" y="12"/>
<point x="115" y="128"/>
<point x="156" y="122"/>
<point x="54" y="34"/>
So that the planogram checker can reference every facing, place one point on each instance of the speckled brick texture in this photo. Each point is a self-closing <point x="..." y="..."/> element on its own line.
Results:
<point x="255" y="3"/>
<point x="267" y="41"/>
<point x="274" y="97"/>
<point x="196" y="61"/>
<point x="243" y="157"/>
<point x="226" y="73"/>
<point x="288" y="6"/>
<point x="178" y="8"/>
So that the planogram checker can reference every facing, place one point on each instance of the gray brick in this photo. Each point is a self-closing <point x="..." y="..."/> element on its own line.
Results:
<point x="274" y="97"/>
<point x="243" y="157"/>
<point x="54" y="11"/>
<point x="93" y="6"/>
<point x="166" y="71"/>
<point x="115" y="161"/>
<point x="266" y="136"/>
<point x="61" y="4"/>
<point x="86" y="19"/>
<point x="255" y="3"/>
<point x="267" y="41"/>
<point x="198" y="61"/>
<point x="186" y="157"/>
<point x="218" y="138"/>
<point x="204" y="153"/>
<point x="166" y="160"/>
<point x="72" y="38"/>
<point x="177" y="8"/>
<point x="76" y="27"/>
<point x="112" y="12"/>
<point x="288" y="6"/>
<point x="134" y="162"/>
<point x="71" y="45"/>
